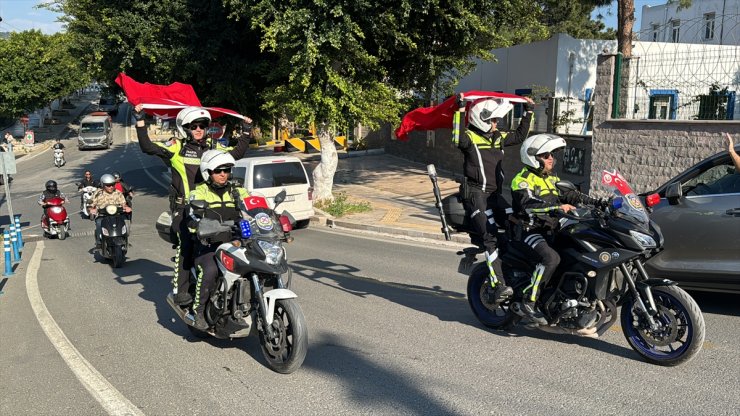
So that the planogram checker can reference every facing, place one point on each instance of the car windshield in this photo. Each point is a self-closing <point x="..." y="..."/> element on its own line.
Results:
<point x="631" y="208"/>
<point x="278" y="174"/>
<point x="92" y="128"/>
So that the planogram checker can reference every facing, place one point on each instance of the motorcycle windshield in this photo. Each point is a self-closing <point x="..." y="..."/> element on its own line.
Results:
<point x="627" y="203"/>
<point x="262" y="224"/>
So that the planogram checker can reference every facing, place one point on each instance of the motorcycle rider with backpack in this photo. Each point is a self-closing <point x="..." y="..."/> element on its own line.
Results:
<point x="221" y="197"/>
<point x="535" y="200"/>
<point x="183" y="156"/>
<point x="482" y="146"/>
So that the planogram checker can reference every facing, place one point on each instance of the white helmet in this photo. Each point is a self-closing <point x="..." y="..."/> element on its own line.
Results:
<point x="213" y="159"/>
<point x="107" y="179"/>
<point x="486" y="109"/>
<point x="537" y="145"/>
<point x="188" y="115"/>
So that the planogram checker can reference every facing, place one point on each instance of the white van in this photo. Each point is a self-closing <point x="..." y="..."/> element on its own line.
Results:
<point x="269" y="175"/>
<point x="95" y="131"/>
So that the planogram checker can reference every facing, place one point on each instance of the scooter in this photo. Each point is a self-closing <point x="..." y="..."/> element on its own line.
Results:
<point x="55" y="222"/>
<point x="114" y="238"/>
<point x="85" y="198"/>
<point x="59" y="158"/>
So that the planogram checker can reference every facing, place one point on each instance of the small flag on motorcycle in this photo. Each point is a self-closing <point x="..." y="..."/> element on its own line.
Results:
<point x="253" y="202"/>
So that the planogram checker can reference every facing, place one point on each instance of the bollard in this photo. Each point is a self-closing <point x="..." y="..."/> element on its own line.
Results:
<point x="6" y="248"/>
<point x="14" y="245"/>
<point x="18" y="233"/>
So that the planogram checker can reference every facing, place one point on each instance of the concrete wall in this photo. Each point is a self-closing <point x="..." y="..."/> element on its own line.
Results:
<point x="648" y="152"/>
<point x="692" y="24"/>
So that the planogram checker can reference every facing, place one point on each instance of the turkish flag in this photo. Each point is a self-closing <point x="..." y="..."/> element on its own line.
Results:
<point x="252" y="202"/>
<point x="165" y="101"/>
<point x="440" y="116"/>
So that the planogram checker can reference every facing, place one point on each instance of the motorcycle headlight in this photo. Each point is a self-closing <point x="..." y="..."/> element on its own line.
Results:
<point x="273" y="252"/>
<point x="111" y="209"/>
<point x="645" y="240"/>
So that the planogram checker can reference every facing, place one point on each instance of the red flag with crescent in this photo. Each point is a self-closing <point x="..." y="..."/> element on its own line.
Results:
<point x="252" y="202"/>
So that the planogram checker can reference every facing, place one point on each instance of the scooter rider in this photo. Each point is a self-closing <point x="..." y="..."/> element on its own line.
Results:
<point x="107" y="196"/>
<point x="58" y="145"/>
<point x="50" y="191"/>
<point x="221" y="198"/>
<point x="183" y="157"/>
<point x="534" y="198"/>
<point x="87" y="180"/>
<point x="482" y="148"/>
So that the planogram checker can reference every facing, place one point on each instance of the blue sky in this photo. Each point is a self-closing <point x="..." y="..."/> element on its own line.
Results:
<point x="20" y="15"/>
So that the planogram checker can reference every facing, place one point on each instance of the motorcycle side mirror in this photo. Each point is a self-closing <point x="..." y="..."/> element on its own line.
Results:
<point x="566" y="186"/>
<point x="280" y="197"/>
<point x="673" y="193"/>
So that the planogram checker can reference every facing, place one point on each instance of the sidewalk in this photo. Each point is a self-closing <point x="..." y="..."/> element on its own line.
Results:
<point x="399" y="192"/>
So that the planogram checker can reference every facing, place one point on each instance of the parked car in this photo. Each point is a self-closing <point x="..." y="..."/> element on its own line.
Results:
<point x="108" y="104"/>
<point x="95" y="131"/>
<point x="699" y="214"/>
<point x="269" y="175"/>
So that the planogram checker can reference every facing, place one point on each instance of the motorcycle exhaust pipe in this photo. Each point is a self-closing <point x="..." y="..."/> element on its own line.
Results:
<point x="583" y="332"/>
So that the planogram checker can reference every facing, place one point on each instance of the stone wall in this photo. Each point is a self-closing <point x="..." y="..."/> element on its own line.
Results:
<point x="647" y="152"/>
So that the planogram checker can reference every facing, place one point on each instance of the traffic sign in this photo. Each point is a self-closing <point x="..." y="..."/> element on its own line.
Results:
<point x="28" y="138"/>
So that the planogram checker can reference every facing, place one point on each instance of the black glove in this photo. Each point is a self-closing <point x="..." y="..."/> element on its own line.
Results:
<point x="246" y="132"/>
<point x="528" y="106"/>
<point x="139" y="115"/>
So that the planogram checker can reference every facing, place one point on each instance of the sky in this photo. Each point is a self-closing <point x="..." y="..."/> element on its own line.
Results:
<point x="20" y="15"/>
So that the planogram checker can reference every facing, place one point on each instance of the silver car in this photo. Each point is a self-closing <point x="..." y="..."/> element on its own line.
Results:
<point x="699" y="214"/>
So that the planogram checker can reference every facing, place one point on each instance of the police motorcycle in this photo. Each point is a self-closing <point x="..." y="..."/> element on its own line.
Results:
<point x="252" y="259"/>
<point x="114" y="234"/>
<point x="602" y="250"/>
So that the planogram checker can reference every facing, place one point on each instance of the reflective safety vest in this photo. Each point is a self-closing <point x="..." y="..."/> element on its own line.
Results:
<point x="222" y="203"/>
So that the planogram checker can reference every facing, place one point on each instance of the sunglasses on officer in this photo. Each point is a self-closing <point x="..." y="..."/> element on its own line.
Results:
<point x="546" y="155"/>
<point x="195" y="126"/>
<point x="221" y="170"/>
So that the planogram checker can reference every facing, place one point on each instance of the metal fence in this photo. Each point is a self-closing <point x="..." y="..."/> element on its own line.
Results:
<point x="695" y="75"/>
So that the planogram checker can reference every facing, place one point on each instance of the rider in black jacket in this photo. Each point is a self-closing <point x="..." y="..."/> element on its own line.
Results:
<point x="482" y="146"/>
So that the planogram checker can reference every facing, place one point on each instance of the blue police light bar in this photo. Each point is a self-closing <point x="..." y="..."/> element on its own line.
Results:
<point x="617" y="203"/>
<point x="245" y="228"/>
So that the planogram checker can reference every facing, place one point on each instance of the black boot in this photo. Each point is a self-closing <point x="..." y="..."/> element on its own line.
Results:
<point x="182" y="299"/>
<point x="530" y="309"/>
<point x="502" y="292"/>
<point x="199" y="320"/>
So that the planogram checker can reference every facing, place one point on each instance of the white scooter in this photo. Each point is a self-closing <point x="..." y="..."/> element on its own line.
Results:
<point x="86" y="198"/>
<point x="59" y="158"/>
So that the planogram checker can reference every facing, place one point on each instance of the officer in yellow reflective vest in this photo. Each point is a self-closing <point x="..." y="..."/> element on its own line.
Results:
<point x="183" y="158"/>
<point x="534" y="199"/>
<point x="221" y="198"/>
<point x="482" y="146"/>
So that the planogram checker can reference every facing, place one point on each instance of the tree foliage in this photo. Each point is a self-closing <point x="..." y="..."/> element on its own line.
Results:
<point x="574" y="18"/>
<point x="36" y="70"/>
<point x="164" y="41"/>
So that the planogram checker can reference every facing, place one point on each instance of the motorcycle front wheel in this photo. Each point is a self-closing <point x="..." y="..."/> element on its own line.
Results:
<point x="681" y="333"/>
<point x="285" y="353"/>
<point x="480" y="294"/>
<point x="62" y="233"/>
<point x="118" y="256"/>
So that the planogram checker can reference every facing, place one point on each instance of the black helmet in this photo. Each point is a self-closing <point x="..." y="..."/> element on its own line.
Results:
<point x="116" y="175"/>
<point x="51" y="186"/>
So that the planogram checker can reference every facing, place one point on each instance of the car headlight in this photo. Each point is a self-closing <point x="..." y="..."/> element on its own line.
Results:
<point x="273" y="252"/>
<point x="645" y="240"/>
<point x="111" y="209"/>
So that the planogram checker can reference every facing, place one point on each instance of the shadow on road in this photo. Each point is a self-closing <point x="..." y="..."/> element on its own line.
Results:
<point x="717" y="303"/>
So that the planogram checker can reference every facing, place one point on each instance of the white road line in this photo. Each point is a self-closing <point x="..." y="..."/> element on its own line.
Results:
<point x="109" y="398"/>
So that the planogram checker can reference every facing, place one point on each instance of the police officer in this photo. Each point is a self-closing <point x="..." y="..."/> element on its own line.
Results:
<point x="534" y="199"/>
<point x="183" y="157"/>
<point x="221" y="198"/>
<point x="482" y="146"/>
<point x="109" y="195"/>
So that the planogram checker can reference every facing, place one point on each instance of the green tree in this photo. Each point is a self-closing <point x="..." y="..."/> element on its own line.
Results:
<point x="165" y="41"/>
<point x="342" y="61"/>
<point x="37" y="69"/>
<point x="574" y="18"/>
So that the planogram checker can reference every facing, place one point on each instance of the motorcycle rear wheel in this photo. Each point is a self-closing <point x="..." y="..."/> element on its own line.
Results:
<point x="682" y="332"/>
<point x="491" y="315"/>
<point x="286" y="352"/>
<point x="118" y="257"/>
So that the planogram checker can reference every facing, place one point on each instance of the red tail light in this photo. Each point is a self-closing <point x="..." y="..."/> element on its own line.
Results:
<point x="227" y="261"/>
<point x="310" y="193"/>
<point x="285" y="223"/>
<point x="652" y="200"/>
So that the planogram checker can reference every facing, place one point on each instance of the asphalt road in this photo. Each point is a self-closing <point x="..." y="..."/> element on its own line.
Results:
<point x="390" y="332"/>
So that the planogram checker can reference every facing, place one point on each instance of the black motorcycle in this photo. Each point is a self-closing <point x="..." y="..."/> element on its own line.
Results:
<point x="114" y="234"/>
<point x="602" y="251"/>
<point x="251" y="259"/>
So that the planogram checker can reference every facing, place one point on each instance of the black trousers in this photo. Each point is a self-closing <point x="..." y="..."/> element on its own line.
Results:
<point x="185" y="250"/>
<point x="545" y="258"/>
<point x="485" y="210"/>
<point x="206" y="273"/>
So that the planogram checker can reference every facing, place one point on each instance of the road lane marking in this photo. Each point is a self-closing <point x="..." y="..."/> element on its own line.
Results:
<point x="109" y="398"/>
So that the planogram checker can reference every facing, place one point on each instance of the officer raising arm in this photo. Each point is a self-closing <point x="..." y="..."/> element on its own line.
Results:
<point x="183" y="157"/>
